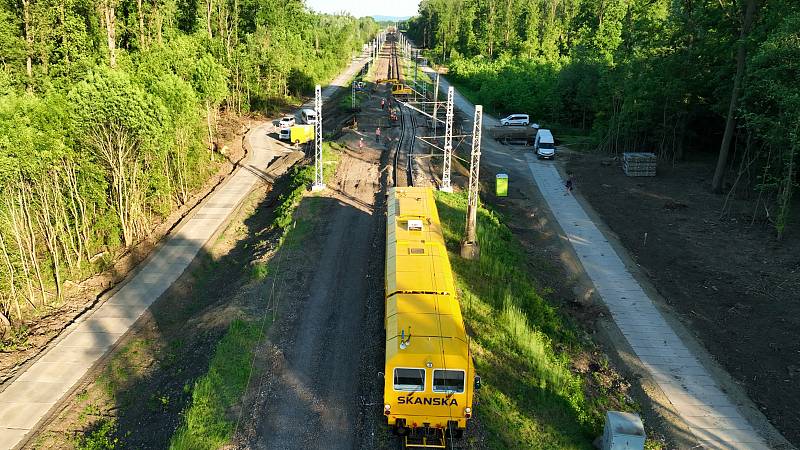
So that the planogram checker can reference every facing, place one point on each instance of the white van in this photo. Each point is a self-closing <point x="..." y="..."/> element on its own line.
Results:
<point x="515" y="119"/>
<point x="544" y="145"/>
<point x="308" y="116"/>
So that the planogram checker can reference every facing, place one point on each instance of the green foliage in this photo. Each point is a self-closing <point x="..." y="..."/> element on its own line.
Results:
<point x="210" y="80"/>
<point x="206" y="424"/>
<point x="300" y="179"/>
<point x="97" y="154"/>
<point x="259" y="271"/>
<point x="522" y="345"/>
<point x="638" y="75"/>
<point x="100" y="436"/>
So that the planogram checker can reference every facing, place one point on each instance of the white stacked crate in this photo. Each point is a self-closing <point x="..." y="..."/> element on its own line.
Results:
<point x="639" y="164"/>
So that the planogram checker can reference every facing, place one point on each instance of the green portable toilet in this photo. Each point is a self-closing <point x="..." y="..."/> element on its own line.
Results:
<point x="501" y="185"/>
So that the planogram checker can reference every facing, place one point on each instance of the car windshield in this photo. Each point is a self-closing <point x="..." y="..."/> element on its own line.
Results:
<point x="546" y="145"/>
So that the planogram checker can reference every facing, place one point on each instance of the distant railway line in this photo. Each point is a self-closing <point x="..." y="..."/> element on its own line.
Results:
<point x="403" y="159"/>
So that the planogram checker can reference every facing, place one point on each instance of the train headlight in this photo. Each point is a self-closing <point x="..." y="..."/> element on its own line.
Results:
<point x="386" y="409"/>
<point x="467" y="412"/>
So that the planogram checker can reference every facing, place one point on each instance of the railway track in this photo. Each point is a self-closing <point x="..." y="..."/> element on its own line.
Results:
<point x="404" y="151"/>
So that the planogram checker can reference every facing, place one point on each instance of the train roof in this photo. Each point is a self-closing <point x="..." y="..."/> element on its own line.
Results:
<point x="421" y="304"/>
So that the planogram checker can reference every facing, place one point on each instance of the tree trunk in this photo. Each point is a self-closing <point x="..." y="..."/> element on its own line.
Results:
<point x="109" y="15"/>
<point x="11" y="279"/>
<point x="142" y="37"/>
<point x="210" y="131"/>
<point x="65" y="34"/>
<point x="159" y="22"/>
<point x="26" y="17"/>
<point x="209" y="7"/>
<point x="730" y="125"/>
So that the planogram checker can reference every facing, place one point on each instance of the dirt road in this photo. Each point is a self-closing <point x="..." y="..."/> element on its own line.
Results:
<point x="310" y="396"/>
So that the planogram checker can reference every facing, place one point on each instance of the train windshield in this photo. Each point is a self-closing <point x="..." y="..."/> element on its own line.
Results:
<point x="409" y="379"/>
<point x="450" y="381"/>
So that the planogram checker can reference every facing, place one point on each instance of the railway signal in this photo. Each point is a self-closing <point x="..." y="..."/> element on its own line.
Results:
<point x="319" y="182"/>
<point x="469" y="246"/>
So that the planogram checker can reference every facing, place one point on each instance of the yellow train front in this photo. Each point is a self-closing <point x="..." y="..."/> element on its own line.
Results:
<point x="430" y="376"/>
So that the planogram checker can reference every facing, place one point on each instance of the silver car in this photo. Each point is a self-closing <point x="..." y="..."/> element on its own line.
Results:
<point x="515" y="119"/>
<point x="286" y="122"/>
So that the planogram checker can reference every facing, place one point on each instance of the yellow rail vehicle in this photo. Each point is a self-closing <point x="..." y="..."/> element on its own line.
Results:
<point x="401" y="89"/>
<point x="429" y="387"/>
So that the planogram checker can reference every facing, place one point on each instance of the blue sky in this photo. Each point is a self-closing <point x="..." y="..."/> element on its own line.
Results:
<point x="361" y="8"/>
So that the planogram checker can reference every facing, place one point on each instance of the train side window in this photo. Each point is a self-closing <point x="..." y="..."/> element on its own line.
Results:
<point x="449" y="381"/>
<point x="409" y="379"/>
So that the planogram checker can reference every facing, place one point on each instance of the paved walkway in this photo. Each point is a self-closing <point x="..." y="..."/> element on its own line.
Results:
<point x="29" y="398"/>
<point x="711" y="416"/>
<point x="714" y="420"/>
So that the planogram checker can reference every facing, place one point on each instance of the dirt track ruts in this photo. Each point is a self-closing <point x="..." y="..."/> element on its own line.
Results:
<point x="313" y="399"/>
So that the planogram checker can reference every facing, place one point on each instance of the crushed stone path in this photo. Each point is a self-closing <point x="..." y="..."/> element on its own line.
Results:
<point x="28" y="399"/>
<point x="714" y="420"/>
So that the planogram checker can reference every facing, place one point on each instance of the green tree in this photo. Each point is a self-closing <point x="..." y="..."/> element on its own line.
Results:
<point x="120" y="124"/>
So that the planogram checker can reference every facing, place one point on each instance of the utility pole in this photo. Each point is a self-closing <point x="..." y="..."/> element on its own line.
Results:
<point x="415" y="73"/>
<point x="353" y="95"/>
<point x="469" y="246"/>
<point x="448" y="143"/>
<point x="319" y="182"/>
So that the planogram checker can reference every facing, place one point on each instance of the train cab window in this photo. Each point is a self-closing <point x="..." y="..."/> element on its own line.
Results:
<point x="450" y="381"/>
<point x="409" y="379"/>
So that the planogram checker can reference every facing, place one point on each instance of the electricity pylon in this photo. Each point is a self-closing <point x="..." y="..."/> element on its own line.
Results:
<point x="319" y="182"/>
<point x="448" y="143"/>
<point x="469" y="246"/>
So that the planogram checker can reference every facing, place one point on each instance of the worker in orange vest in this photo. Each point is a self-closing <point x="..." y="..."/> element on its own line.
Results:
<point x="378" y="134"/>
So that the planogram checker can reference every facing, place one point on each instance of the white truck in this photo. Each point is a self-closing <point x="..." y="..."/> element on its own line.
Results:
<point x="544" y="145"/>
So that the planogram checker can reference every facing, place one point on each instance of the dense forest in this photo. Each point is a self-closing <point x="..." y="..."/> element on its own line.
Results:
<point x="677" y="77"/>
<point x="108" y="118"/>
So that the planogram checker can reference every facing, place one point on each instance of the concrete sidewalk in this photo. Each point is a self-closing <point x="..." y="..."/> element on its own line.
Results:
<point x="29" y="398"/>
<point x="711" y="416"/>
<point x="713" y="419"/>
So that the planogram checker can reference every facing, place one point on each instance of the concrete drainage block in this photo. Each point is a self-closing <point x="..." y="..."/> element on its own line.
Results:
<point x="622" y="431"/>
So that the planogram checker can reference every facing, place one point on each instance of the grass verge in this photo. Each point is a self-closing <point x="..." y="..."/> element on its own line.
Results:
<point x="206" y="422"/>
<point x="524" y="348"/>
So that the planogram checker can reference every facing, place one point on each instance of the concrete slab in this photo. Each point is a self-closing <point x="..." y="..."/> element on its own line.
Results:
<point x="116" y="325"/>
<point x="80" y="355"/>
<point x="53" y="372"/>
<point x="727" y="437"/>
<point x="690" y="388"/>
<point x="22" y="415"/>
<point x="118" y="311"/>
<point x="717" y="411"/>
<point x="82" y="338"/>
<point x="34" y="391"/>
<point x="711" y="422"/>
<point x="9" y="437"/>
